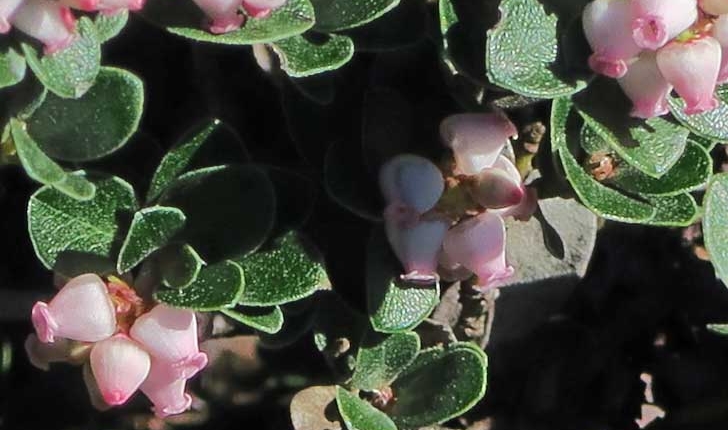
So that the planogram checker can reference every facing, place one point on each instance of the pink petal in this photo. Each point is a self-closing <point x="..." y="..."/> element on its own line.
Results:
<point x="720" y="33"/>
<point x="82" y="310"/>
<point x="692" y="68"/>
<point x="714" y="7"/>
<point x="7" y="9"/>
<point x="607" y="26"/>
<point x="224" y="14"/>
<point x="413" y="181"/>
<point x="47" y="21"/>
<point x="119" y="366"/>
<point x="655" y="22"/>
<point x="476" y="139"/>
<point x="170" y="335"/>
<point x="417" y="245"/>
<point x="479" y="244"/>
<point x="166" y="390"/>
<point x="646" y="87"/>
<point x="261" y="8"/>
<point x="85" y="5"/>
<point x="498" y="186"/>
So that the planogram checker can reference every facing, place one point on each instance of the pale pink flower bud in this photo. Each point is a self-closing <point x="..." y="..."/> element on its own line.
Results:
<point x="119" y="366"/>
<point x="692" y="68"/>
<point x="608" y="29"/>
<point x="720" y="33"/>
<point x="170" y="335"/>
<point x="165" y="390"/>
<point x="224" y="14"/>
<point x="714" y="7"/>
<point x="261" y="8"/>
<point x="82" y="310"/>
<point x="85" y="5"/>
<point x="656" y="22"/>
<point x="47" y="21"/>
<point x="646" y="87"/>
<point x="479" y="244"/>
<point x="416" y="245"/>
<point x="411" y="180"/>
<point x="7" y="9"/>
<point x="476" y="139"/>
<point x="497" y="187"/>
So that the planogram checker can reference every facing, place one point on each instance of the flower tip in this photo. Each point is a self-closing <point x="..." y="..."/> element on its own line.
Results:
<point x="649" y="110"/>
<point x="226" y="24"/>
<point x="43" y="322"/>
<point x="136" y="5"/>
<point x="488" y="281"/>
<point x="417" y="277"/>
<point x="60" y="45"/>
<point x="607" y="67"/>
<point x="168" y="410"/>
<point x="701" y="107"/>
<point x="649" y="32"/>
<point x="192" y="364"/>
<point x="115" y="397"/>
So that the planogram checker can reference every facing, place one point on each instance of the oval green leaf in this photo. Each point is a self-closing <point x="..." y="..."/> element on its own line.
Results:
<point x="12" y="67"/>
<point x="335" y="15"/>
<point x="441" y="384"/>
<point x="528" y="70"/>
<point x="359" y="414"/>
<point x="62" y="228"/>
<point x="71" y="72"/>
<point x="268" y="320"/>
<point x="218" y="286"/>
<point x="382" y="357"/>
<point x="715" y="222"/>
<point x="94" y="125"/>
<point x="109" y="26"/>
<point x="300" y="58"/>
<point x="151" y="229"/>
<point x="281" y="275"/>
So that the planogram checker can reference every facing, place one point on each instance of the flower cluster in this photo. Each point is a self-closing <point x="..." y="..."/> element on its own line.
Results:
<point x="52" y="22"/>
<point x="225" y="16"/>
<point x="105" y="327"/>
<point x="654" y="46"/>
<point x="456" y="221"/>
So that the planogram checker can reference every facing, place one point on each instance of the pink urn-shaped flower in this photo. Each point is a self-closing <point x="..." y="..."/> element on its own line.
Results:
<point x="646" y="87"/>
<point x="47" y="21"/>
<point x="479" y="244"/>
<point x="119" y="366"/>
<point x="656" y="22"/>
<point x="82" y="310"/>
<point x="166" y="390"/>
<point x="476" y="139"/>
<point x="498" y="186"/>
<point x="692" y="67"/>
<point x="170" y="335"/>
<point x="608" y="29"/>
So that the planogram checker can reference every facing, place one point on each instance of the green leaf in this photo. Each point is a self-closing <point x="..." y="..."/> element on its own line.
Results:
<point x="652" y="146"/>
<point x="359" y="414"/>
<point x="151" y="229"/>
<point x="715" y="222"/>
<point x="216" y="137"/>
<point x="268" y="320"/>
<point x="230" y="209"/>
<point x="679" y="210"/>
<point x="381" y="358"/>
<point x="109" y="26"/>
<point x="44" y="170"/>
<point x="394" y="305"/>
<point x="94" y="125"/>
<point x="441" y="384"/>
<point x="184" y="19"/>
<point x="63" y="228"/>
<point x="12" y="67"/>
<point x="335" y="15"/>
<point x="602" y="200"/>
<point x="689" y="173"/>
<point x="300" y="58"/>
<point x="522" y="52"/>
<point x="179" y="265"/>
<point x="218" y="286"/>
<point x="282" y="275"/>
<point x="712" y="124"/>
<point x="71" y="72"/>
<point x="721" y="329"/>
